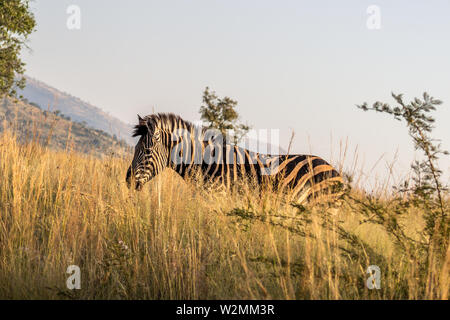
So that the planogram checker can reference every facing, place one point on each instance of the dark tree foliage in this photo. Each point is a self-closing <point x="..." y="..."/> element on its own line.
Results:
<point x="16" y="24"/>
<point x="221" y="114"/>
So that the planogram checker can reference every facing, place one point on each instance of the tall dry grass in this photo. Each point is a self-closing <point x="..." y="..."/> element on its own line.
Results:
<point x="178" y="240"/>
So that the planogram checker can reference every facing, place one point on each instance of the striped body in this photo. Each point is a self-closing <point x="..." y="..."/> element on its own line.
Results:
<point x="168" y="141"/>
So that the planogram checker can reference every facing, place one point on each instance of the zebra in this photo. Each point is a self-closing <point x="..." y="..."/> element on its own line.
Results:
<point x="166" y="140"/>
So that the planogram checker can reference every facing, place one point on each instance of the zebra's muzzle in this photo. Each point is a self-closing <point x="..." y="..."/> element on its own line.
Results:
<point x="129" y="178"/>
<point x="139" y="186"/>
<point x="133" y="182"/>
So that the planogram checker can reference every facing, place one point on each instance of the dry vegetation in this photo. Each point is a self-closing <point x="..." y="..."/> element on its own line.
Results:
<point x="53" y="129"/>
<point x="177" y="240"/>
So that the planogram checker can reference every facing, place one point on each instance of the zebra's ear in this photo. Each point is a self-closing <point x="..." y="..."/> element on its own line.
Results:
<point x="141" y="121"/>
<point x="142" y="128"/>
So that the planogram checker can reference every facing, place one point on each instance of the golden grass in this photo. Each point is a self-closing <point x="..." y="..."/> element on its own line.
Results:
<point x="177" y="240"/>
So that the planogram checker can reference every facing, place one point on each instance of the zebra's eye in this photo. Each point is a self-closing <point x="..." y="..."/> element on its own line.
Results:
<point x="156" y="136"/>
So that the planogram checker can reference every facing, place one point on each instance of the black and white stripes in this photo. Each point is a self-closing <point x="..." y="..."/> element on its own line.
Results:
<point x="166" y="140"/>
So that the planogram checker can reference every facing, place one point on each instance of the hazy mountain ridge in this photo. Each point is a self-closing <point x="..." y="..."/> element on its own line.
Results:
<point x="52" y="99"/>
<point x="30" y="123"/>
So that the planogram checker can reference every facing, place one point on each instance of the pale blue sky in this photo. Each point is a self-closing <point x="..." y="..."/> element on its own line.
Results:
<point x="292" y="65"/>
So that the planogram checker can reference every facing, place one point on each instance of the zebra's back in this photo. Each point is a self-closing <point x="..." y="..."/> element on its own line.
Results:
<point x="303" y="177"/>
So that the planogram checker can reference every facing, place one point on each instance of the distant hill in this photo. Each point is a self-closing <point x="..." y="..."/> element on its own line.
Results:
<point x="49" y="98"/>
<point x="55" y="130"/>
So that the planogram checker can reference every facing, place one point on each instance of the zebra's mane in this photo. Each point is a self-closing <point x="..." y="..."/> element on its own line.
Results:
<point x="163" y="121"/>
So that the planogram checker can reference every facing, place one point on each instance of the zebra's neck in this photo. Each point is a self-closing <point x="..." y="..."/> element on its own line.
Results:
<point x="192" y="148"/>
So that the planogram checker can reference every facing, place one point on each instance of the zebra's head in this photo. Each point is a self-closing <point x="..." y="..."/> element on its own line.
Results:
<point x="150" y="155"/>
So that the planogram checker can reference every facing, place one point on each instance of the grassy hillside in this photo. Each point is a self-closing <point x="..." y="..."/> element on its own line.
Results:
<point x="178" y="240"/>
<point x="48" y="97"/>
<point x="55" y="130"/>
